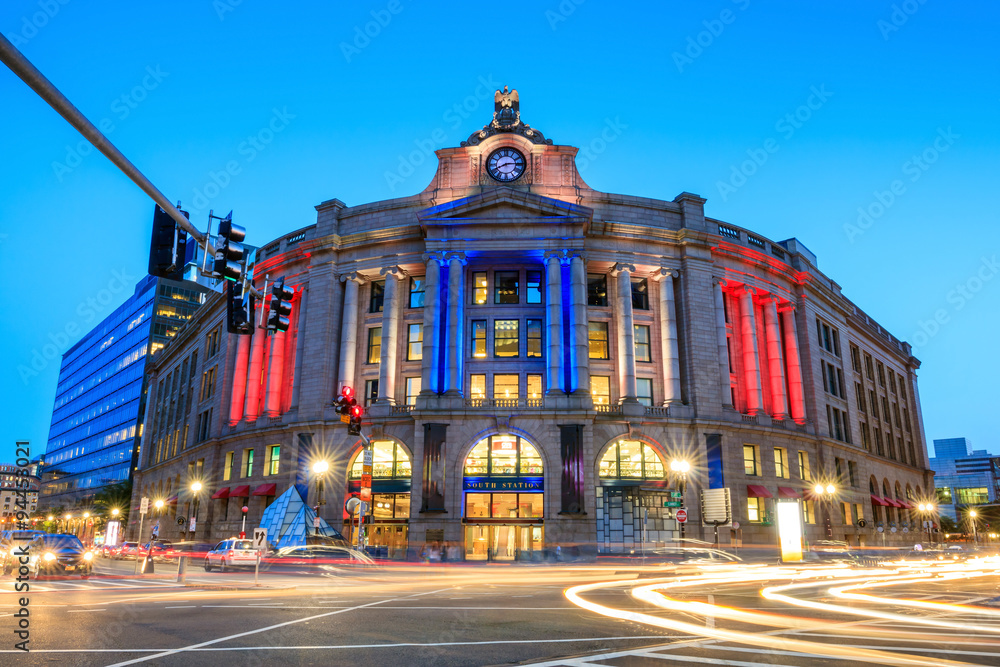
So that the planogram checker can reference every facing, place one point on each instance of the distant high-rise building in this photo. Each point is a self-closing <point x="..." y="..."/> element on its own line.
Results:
<point x="951" y="448"/>
<point x="99" y="401"/>
<point x="963" y="478"/>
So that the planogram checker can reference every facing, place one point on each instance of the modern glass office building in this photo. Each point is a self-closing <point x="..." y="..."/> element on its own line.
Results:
<point x="99" y="398"/>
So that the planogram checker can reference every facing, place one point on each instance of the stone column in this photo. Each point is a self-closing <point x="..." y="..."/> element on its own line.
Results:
<point x="456" y="325"/>
<point x="580" y="337"/>
<point x="626" y="331"/>
<point x="725" y="374"/>
<point x="349" y="330"/>
<point x="751" y="359"/>
<point x="553" y="320"/>
<point x="254" y="371"/>
<point x="429" y="359"/>
<point x="390" y="325"/>
<point x="275" y="375"/>
<point x="668" y="338"/>
<point x="239" y="389"/>
<point x="797" y="398"/>
<point x="775" y="359"/>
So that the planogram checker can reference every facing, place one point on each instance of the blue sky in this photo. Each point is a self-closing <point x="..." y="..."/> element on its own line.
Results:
<point x="904" y="96"/>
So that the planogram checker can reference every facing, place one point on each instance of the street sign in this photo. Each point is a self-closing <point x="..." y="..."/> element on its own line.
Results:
<point x="672" y="503"/>
<point x="906" y="529"/>
<point x="144" y="506"/>
<point x="345" y="418"/>
<point x="368" y="457"/>
<point x="260" y="539"/>
<point x="682" y="516"/>
<point x="315" y="522"/>
<point x="880" y="529"/>
<point x="194" y="521"/>
<point x="676" y="494"/>
<point x="366" y="475"/>
<point x="893" y="529"/>
<point x="736" y="525"/>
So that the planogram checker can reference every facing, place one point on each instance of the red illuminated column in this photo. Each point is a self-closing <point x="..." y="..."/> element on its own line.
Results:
<point x="239" y="380"/>
<point x="275" y="373"/>
<point x="291" y="340"/>
<point x="775" y="360"/>
<point x="751" y="362"/>
<point x="723" y="342"/>
<point x="797" y="400"/>
<point x="253" y="376"/>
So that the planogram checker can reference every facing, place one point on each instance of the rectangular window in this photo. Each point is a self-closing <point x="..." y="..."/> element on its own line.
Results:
<point x="505" y="387"/>
<point x="642" y="348"/>
<point x="273" y="460"/>
<point x="866" y="439"/>
<point x="505" y="287"/>
<point x="781" y="462"/>
<point x="479" y="339"/>
<point x="597" y="289"/>
<point x="208" y="383"/>
<point x="533" y="293"/>
<point x="534" y="338"/>
<point x="859" y="511"/>
<point x="640" y="294"/>
<point x="809" y="511"/>
<point x="412" y="389"/>
<point x="886" y="415"/>
<point x="972" y="496"/>
<point x="415" y="342"/>
<point x="506" y="338"/>
<point x="212" y="343"/>
<point x="417" y="292"/>
<point x="895" y="415"/>
<point x="600" y="389"/>
<point x="750" y="466"/>
<point x="868" y="367"/>
<point x="804" y="472"/>
<point x="371" y="391"/>
<point x="859" y="395"/>
<point x="227" y="471"/>
<point x="881" y="373"/>
<point x="845" y="514"/>
<point x="644" y="391"/>
<point x="534" y="386"/>
<point x="855" y="358"/>
<point x="598" y="340"/>
<point x="479" y="287"/>
<point x="247" y="462"/>
<point x="892" y="381"/>
<point x="477" y="387"/>
<point x="879" y="449"/>
<point x="872" y="403"/>
<point x="852" y="472"/>
<point x="755" y="509"/>
<point x="377" y="298"/>
<point x="943" y="495"/>
<point x="374" y="345"/>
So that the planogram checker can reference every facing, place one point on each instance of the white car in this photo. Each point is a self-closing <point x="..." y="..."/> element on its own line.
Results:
<point x="231" y="553"/>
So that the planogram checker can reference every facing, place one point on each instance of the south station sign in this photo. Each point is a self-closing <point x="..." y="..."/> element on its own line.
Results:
<point x="488" y="484"/>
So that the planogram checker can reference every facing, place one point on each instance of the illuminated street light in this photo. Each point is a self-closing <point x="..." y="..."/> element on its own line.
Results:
<point x="115" y="511"/>
<point x="196" y="486"/>
<point x="319" y="469"/>
<point x="158" y="504"/>
<point x="972" y="515"/>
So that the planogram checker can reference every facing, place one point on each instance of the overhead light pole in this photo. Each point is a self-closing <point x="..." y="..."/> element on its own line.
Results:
<point x="319" y="469"/>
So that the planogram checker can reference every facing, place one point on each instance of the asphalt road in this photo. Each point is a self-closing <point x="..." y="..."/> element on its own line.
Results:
<point x="496" y="615"/>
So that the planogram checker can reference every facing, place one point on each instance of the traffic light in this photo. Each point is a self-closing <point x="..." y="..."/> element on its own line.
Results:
<point x="344" y="404"/>
<point x="240" y="309"/>
<point x="354" y="427"/>
<point x="229" y="252"/>
<point x="281" y="307"/>
<point x="167" y="246"/>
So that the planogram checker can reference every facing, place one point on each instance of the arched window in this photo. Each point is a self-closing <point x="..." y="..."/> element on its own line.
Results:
<point x="909" y="493"/>
<point x="631" y="459"/>
<point x="389" y="460"/>
<point x="873" y="486"/>
<point x="503" y="455"/>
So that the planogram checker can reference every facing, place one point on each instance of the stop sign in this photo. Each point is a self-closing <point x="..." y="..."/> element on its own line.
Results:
<point x="682" y="516"/>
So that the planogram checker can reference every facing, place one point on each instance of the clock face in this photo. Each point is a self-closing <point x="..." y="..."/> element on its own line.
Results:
<point x="505" y="165"/>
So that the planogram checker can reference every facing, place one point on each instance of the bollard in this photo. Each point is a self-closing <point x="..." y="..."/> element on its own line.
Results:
<point x="181" y="568"/>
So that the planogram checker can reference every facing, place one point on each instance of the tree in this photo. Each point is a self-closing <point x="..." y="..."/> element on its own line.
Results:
<point x="114" y="496"/>
<point x="947" y="524"/>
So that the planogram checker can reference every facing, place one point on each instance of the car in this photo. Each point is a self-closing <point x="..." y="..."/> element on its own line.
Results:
<point x="231" y="553"/>
<point x="694" y="554"/>
<point x="10" y="542"/>
<point x="189" y="549"/>
<point x="161" y="551"/>
<point x="59" y="554"/>
<point x="315" y="557"/>
<point x="127" y="551"/>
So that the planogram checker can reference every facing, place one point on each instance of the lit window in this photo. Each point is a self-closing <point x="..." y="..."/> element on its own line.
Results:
<point x="804" y="472"/>
<point x="415" y="342"/>
<point x="631" y="459"/>
<point x="247" y="462"/>
<point x="371" y="392"/>
<point x="534" y="386"/>
<point x="505" y="387"/>
<point x="504" y="454"/>
<point x="416" y="292"/>
<point x="598" y="340"/>
<point x="479" y="287"/>
<point x="273" y="460"/>
<point x="479" y="339"/>
<point x="600" y="389"/>
<point x="389" y="460"/>
<point x="227" y="471"/>
<point x="780" y="462"/>
<point x="642" y="351"/>
<point x="506" y="340"/>
<point x="374" y="345"/>
<point x="534" y="338"/>
<point x="412" y="389"/>
<point x="477" y="387"/>
<point x="750" y="465"/>
<point x="505" y="287"/>
<point x="755" y="509"/>
<point x="534" y="286"/>
<point x="644" y="391"/>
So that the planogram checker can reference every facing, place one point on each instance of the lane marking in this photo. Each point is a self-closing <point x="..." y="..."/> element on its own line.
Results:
<point x="83" y="611"/>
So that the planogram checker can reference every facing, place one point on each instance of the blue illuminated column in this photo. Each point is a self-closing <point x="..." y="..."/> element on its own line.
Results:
<point x="581" y="347"/>
<point x="430" y="355"/>
<point x="553" y="319"/>
<point x="456" y="291"/>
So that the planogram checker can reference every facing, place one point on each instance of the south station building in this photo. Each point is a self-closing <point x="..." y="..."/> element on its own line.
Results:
<point x="533" y="355"/>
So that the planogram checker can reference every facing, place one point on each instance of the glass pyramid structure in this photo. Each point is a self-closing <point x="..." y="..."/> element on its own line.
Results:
<point x="288" y="520"/>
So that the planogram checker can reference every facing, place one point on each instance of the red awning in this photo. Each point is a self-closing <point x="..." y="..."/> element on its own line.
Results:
<point x="240" y="492"/>
<point x="896" y="503"/>
<point x="788" y="492"/>
<point x="878" y="501"/>
<point x="221" y="494"/>
<point x="757" y="491"/>
<point x="907" y="505"/>
<point x="266" y="490"/>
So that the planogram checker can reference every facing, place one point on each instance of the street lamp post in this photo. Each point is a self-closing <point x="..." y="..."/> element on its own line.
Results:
<point x="196" y="490"/>
<point x="681" y="467"/>
<point x="972" y="518"/>
<point x="319" y="469"/>
<point x="925" y="510"/>
<point x="827" y="493"/>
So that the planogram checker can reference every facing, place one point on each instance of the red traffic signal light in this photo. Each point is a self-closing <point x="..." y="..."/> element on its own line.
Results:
<point x="356" y="411"/>
<point x="346" y="392"/>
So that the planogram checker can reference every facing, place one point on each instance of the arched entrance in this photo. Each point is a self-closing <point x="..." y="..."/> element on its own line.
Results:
<point x="635" y="507"/>
<point x="388" y="518"/>
<point x="503" y="499"/>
